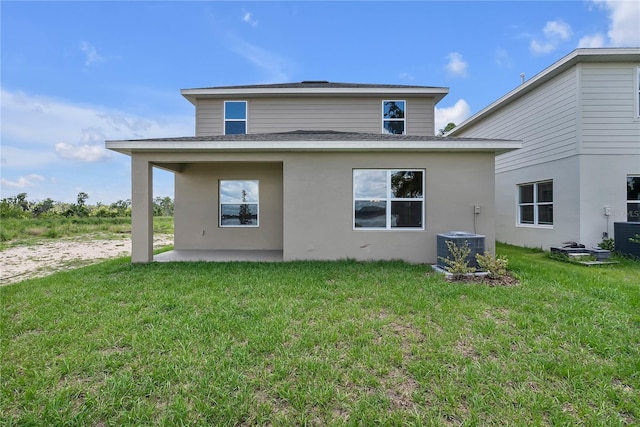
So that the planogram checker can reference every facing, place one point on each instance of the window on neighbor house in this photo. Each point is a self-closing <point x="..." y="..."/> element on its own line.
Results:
<point x="535" y="203"/>
<point x="638" y="92"/>
<point x="388" y="199"/>
<point x="633" y="198"/>
<point x="239" y="203"/>
<point x="235" y="117"/>
<point x="393" y="117"/>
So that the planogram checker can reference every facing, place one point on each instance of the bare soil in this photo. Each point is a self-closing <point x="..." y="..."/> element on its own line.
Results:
<point x="47" y="257"/>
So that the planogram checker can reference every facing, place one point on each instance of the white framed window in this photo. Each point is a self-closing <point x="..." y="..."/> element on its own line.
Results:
<point x="235" y="117"/>
<point x="633" y="198"/>
<point x="386" y="199"/>
<point x="535" y="203"/>
<point x="637" y="92"/>
<point x="393" y="117"/>
<point x="239" y="203"/>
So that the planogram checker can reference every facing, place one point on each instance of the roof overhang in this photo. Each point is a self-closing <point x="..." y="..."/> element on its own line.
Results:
<point x="592" y="55"/>
<point x="129" y="147"/>
<point x="247" y="92"/>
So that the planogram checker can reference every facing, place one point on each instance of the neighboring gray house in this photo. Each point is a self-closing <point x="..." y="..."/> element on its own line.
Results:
<point x="315" y="171"/>
<point x="579" y="169"/>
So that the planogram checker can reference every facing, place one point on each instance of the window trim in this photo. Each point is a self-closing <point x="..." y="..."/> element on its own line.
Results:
<point x="389" y="200"/>
<point x="637" y="92"/>
<point x="628" y="202"/>
<point x="245" y="120"/>
<point x="403" y="120"/>
<point x="535" y="205"/>
<point x="256" y="203"/>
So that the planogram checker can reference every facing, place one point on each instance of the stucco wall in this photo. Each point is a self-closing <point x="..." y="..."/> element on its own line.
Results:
<point x="306" y="202"/>
<point x="196" y="207"/>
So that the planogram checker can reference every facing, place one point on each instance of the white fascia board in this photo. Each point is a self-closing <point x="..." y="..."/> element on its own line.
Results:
<point x="495" y="146"/>
<point x="192" y="94"/>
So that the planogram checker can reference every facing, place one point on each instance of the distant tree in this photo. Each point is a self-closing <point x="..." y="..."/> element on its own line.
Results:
<point x="446" y="129"/>
<point x="43" y="207"/>
<point x="163" y="206"/>
<point x="244" y="214"/>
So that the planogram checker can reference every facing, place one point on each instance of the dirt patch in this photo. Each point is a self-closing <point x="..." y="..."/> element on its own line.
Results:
<point x="25" y="262"/>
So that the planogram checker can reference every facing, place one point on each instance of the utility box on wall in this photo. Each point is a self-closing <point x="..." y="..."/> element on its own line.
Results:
<point x="474" y="241"/>
<point x="623" y="232"/>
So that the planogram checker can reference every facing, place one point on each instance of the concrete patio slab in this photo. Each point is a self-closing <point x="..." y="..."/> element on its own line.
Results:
<point x="219" y="255"/>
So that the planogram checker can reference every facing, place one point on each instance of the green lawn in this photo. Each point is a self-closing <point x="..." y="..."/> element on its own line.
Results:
<point x="21" y="231"/>
<point x="323" y="344"/>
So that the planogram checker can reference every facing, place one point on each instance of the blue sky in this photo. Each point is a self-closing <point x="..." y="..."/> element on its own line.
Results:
<point x="74" y="74"/>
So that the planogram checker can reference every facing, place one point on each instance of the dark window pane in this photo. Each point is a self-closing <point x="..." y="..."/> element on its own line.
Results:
<point x="235" y="110"/>
<point x="526" y="193"/>
<point x="235" y="128"/>
<point x="633" y="188"/>
<point x="393" y="109"/>
<point x="369" y="214"/>
<point x="545" y="215"/>
<point x="633" y="212"/>
<point x="406" y="214"/>
<point x="239" y="214"/>
<point x="526" y="214"/>
<point x="406" y="184"/>
<point x="395" y="127"/>
<point x="545" y="192"/>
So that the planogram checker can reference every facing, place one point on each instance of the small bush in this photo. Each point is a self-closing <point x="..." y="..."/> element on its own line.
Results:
<point x="458" y="262"/>
<point x="495" y="266"/>
<point x="607" y="244"/>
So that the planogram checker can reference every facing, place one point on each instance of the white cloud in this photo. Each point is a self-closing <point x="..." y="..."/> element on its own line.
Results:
<point x="458" y="113"/>
<point x="594" y="40"/>
<point x="82" y="152"/>
<point x="91" y="54"/>
<point x="624" y="22"/>
<point x="248" y="18"/>
<point x="555" y="32"/>
<point x="23" y="181"/>
<point x="41" y="130"/>
<point x="456" y="65"/>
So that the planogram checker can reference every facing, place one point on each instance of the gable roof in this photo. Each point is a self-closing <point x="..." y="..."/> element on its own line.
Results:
<point x="314" y="88"/>
<point x="592" y="55"/>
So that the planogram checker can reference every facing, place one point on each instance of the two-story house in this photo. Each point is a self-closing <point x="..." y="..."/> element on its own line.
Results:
<point x="578" y="171"/>
<point x="315" y="171"/>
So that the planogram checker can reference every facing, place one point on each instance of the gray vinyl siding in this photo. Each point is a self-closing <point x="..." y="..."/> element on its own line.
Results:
<point x="267" y="115"/>
<point x="544" y="119"/>
<point x="609" y="123"/>
<point x="209" y="117"/>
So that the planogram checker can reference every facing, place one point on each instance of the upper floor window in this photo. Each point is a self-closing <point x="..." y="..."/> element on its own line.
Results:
<point x="535" y="203"/>
<point x="633" y="198"/>
<point x="235" y="117"/>
<point x="388" y="199"/>
<point x="393" y="117"/>
<point x="238" y="203"/>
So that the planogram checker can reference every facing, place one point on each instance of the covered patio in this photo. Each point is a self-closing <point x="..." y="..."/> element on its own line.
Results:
<point x="220" y="255"/>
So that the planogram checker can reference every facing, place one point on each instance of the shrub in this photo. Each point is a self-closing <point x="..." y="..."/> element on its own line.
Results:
<point x="496" y="267"/>
<point x="607" y="244"/>
<point x="458" y="261"/>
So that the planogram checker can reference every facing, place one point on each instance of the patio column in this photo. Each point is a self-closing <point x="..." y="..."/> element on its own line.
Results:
<point x="141" y="210"/>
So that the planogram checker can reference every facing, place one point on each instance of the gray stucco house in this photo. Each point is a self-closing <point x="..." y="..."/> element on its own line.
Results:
<point x="316" y="171"/>
<point x="578" y="171"/>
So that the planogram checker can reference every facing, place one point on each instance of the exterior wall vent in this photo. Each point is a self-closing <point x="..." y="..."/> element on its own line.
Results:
<point x="475" y="242"/>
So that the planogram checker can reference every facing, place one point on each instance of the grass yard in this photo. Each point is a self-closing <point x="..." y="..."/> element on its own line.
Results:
<point x="21" y="231"/>
<point x="322" y="343"/>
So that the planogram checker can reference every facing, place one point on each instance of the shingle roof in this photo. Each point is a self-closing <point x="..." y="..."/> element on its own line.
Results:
<point x="314" y="135"/>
